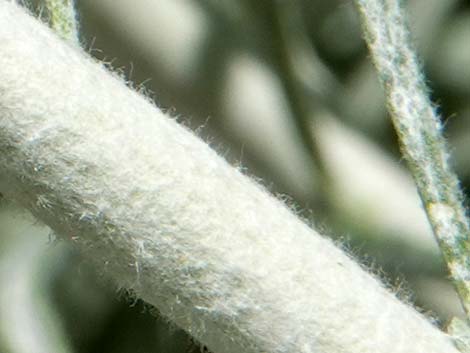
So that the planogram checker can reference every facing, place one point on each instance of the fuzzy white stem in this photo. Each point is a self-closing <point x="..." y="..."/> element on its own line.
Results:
<point x="152" y="205"/>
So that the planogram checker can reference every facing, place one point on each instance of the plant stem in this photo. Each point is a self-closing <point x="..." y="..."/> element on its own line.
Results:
<point x="63" y="18"/>
<point x="154" y="207"/>
<point x="420" y="133"/>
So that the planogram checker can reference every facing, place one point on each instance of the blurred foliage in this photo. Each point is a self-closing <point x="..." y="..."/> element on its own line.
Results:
<point x="258" y="80"/>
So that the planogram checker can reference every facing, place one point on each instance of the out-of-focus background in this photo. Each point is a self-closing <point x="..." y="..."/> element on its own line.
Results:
<point x="284" y="90"/>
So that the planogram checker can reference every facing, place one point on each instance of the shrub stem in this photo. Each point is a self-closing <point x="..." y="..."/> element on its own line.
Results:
<point x="420" y="134"/>
<point x="63" y="18"/>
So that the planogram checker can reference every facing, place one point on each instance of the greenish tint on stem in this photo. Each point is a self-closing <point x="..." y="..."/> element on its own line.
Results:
<point x="63" y="18"/>
<point x="461" y="333"/>
<point x="420" y="133"/>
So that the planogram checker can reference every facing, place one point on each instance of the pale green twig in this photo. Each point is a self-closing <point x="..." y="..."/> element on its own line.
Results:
<point x="420" y="133"/>
<point x="63" y="18"/>
<point x="461" y="333"/>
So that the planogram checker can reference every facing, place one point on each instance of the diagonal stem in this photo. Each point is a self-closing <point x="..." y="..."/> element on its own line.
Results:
<point x="420" y="133"/>
<point x="63" y="18"/>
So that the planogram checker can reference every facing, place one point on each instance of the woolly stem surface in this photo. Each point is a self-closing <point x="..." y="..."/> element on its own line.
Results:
<point x="420" y="133"/>
<point x="153" y="206"/>
<point x="63" y="18"/>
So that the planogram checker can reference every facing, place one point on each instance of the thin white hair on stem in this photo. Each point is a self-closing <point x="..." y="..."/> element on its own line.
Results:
<point x="217" y="254"/>
<point x="63" y="18"/>
<point x="419" y="129"/>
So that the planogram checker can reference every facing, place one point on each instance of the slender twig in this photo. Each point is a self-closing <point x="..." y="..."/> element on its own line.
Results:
<point x="420" y="133"/>
<point x="63" y="18"/>
<point x="153" y="206"/>
<point x="460" y="331"/>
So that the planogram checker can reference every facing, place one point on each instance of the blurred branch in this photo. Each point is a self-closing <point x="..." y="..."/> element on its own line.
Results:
<point x="279" y="17"/>
<point x="28" y="320"/>
<point x="284" y="28"/>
